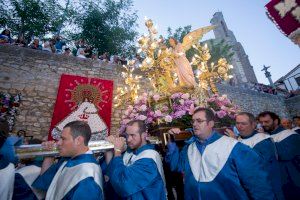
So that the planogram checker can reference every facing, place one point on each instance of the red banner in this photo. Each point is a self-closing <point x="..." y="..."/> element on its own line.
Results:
<point x="286" y="16"/>
<point x="85" y="99"/>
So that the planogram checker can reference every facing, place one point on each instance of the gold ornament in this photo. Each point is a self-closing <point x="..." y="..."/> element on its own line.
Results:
<point x="209" y="75"/>
<point x="129" y="92"/>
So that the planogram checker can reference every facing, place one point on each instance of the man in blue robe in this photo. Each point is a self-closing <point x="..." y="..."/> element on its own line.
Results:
<point x="8" y="147"/>
<point x="77" y="175"/>
<point x="218" y="167"/>
<point x="288" y="148"/>
<point x="296" y="124"/>
<point x="263" y="145"/>
<point x="138" y="173"/>
<point x="7" y="169"/>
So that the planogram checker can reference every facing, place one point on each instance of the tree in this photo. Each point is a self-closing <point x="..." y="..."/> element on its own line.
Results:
<point x="31" y="17"/>
<point x="219" y="50"/>
<point x="109" y="27"/>
<point x="179" y="34"/>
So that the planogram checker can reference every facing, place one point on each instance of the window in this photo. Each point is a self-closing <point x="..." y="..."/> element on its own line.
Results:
<point x="298" y="80"/>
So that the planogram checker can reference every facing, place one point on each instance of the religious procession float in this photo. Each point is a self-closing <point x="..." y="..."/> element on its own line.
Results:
<point x="175" y="89"/>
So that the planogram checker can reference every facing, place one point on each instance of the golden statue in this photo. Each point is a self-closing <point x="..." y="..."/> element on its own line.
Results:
<point x="183" y="68"/>
<point x="168" y="69"/>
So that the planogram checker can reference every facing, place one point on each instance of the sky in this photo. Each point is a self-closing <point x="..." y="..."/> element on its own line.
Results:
<point x="262" y="41"/>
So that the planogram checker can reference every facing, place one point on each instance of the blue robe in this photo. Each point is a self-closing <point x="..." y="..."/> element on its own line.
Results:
<point x="22" y="191"/>
<point x="288" y="149"/>
<point x="296" y="129"/>
<point x="8" y="149"/>
<point x="140" y="180"/>
<point x="6" y="178"/>
<point x="265" y="147"/>
<point x="24" y="178"/>
<point x="85" y="189"/>
<point x="227" y="169"/>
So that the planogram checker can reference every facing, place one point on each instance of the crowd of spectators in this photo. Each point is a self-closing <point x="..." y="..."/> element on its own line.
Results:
<point x="264" y="88"/>
<point x="58" y="45"/>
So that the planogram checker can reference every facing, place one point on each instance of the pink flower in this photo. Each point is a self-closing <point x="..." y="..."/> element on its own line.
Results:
<point x="224" y="108"/>
<point x="149" y="120"/>
<point x="181" y="101"/>
<point x="125" y="121"/>
<point x="132" y="115"/>
<point x="151" y="114"/>
<point x="143" y="108"/>
<point x="179" y="113"/>
<point x="165" y="108"/>
<point x="127" y="112"/>
<point x="185" y="96"/>
<point x="176" y="95"/>
<point x="156" y="97"/>
<point x="191" y="109"/>
<point x="141" y="117"/>
<point x="168" y="118"/>
<point x="157" y="113"/>
<point x="221" y="114"/>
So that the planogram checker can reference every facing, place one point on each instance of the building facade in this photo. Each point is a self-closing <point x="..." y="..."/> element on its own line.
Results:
<point x="290" y="81"/>
<point x="243" y="70"/>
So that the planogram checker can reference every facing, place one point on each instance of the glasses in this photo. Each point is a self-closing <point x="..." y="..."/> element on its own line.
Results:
<point x="199" y="121"/>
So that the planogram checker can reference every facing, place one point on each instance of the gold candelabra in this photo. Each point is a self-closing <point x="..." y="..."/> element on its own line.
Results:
<point x="159" y="61"/>
<point x="209" y="75"/>
<point x="129" y="92"/>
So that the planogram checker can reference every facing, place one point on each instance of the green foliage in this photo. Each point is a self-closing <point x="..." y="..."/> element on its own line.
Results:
<point x="179" y="34"/>
<point x="109" y="28"/>
<point x="219" y="50"/>
<point x="31" y="17"/>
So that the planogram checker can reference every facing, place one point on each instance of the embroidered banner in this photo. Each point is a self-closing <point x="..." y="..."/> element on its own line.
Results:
<point x="286" y="15"/>
<point x="85" y="99"/>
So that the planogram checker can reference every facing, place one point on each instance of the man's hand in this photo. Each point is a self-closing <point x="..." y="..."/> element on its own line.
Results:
<point x="111" y="139"/>
<point x="49" y="145"/>
<point x="230" y="133"/>
<point x="173" y="131"/>
<point x="120" y="143"/>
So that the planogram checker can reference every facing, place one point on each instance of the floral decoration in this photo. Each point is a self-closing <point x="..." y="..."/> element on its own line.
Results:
<point x="179" y="113"/>
<point x="225" y="111"/>
<point x="8" y="108"/>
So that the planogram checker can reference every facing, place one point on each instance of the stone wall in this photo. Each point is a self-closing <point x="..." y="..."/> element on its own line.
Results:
<point x="255" y="102"/>
<point x="36" y="75"/>
<point x="293" y="105"/>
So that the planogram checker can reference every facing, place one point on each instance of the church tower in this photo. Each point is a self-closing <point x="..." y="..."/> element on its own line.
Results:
<point x="243" y="70"/>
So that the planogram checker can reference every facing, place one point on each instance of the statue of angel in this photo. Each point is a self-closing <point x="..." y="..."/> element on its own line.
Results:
<point x="183" y="68"/>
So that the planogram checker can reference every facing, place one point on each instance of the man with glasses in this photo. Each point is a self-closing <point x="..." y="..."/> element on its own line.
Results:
<point x="138" y="173"/>
<point x="263" y="145"/>
<point x="216" y="166"/>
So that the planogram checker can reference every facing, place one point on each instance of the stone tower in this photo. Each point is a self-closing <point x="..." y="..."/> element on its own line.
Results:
<point x="243" y="70"/>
